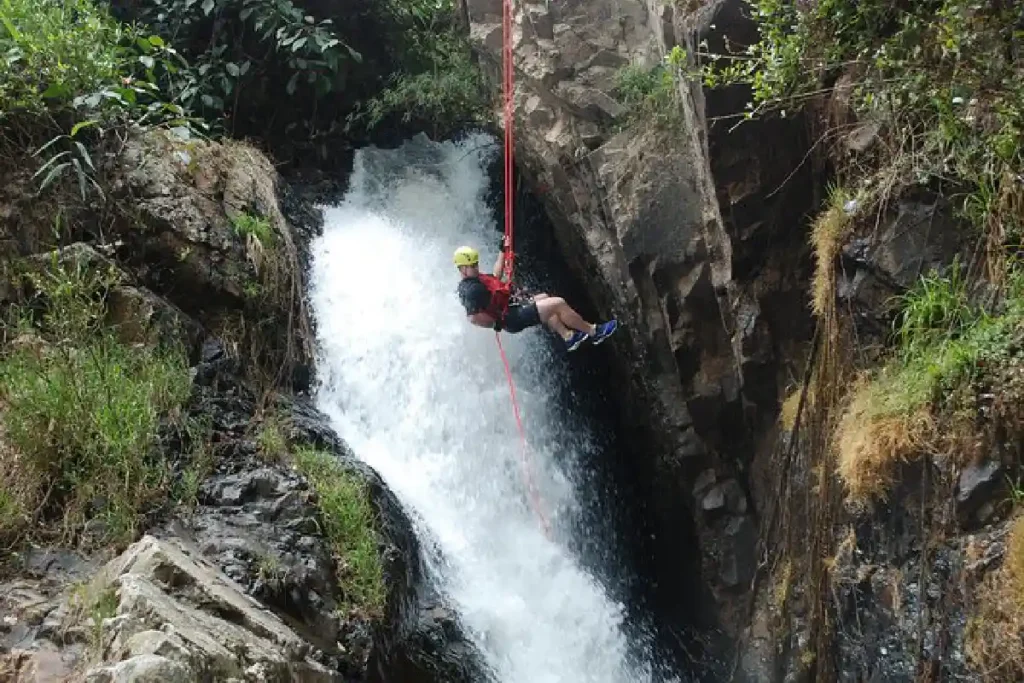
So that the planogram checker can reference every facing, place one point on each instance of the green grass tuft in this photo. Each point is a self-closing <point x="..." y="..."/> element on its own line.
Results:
<point x="273" y="446"/>
<point x="85" y="422"/>
<point x="350" y="525"/>
<point x="247" y="225"/>
<point x="80" y="414"/>
<point x="649" y="94"/>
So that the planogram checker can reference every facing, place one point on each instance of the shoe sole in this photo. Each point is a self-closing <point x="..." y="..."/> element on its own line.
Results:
<point x="599" y="340"/>
<point x="576" y="345"/>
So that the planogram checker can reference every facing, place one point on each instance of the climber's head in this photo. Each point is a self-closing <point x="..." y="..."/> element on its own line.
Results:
<point x="467" y="260"/>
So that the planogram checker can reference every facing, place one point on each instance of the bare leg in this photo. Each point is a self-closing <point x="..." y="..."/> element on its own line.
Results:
<point x="555" y="323"/>
<point x="555" y="307"/>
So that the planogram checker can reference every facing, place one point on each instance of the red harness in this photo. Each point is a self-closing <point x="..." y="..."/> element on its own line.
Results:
<point x="501" y="294"/>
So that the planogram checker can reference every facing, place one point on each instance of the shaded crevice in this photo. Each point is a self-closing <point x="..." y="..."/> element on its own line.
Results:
<point x="668" y="603"/>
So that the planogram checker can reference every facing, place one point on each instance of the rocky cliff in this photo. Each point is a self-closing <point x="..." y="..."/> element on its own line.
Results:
<point x="667" y="223"/>
<point x="848" y="528"/>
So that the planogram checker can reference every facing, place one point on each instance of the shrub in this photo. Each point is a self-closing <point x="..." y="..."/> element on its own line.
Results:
<point x="81" y="413"/>
<point x="943" y="75"/>
<point x="299" y="56"/>
<point x="445" y="92"/>
<point x="350" y="525"/>
<point x="54" y="50"/>
<point x="399" y="57"/>
<point x="71" y="60"/>
<point x="649" y="94"/>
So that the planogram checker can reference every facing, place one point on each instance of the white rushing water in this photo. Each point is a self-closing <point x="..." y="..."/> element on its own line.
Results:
<point x="421" y="396"/>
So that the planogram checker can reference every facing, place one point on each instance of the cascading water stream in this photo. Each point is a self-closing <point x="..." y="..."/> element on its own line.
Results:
<point x="420" y="395"/>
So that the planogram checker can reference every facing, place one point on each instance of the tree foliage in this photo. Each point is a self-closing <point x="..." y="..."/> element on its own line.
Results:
<point x="945" y="78"/>
<point x="306" y="72"/>
<point x="303" y="75"/>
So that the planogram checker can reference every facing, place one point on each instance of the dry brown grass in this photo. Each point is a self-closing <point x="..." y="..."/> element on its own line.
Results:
<point x="1004" y="217"/>
<point x="827" y="236"/>
<point x="783" y="585"/>
<point x="995" y="635"/>
<point x="790" y="406"/>
<point x="874" y="436"/>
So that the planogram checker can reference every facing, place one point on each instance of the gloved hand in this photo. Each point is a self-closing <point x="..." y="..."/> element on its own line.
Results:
<point x="503" y="243"/>
<point x="497" y="326"/>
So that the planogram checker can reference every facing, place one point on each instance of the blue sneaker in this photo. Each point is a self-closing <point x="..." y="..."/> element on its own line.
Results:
<point x="605" y="330"/>
<point x="573" y="342"/>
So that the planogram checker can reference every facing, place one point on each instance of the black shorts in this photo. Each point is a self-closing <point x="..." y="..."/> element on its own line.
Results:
<point x="519" y="318"/>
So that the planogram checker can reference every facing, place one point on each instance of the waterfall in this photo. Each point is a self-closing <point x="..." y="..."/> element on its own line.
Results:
<point x="420" y="395"/>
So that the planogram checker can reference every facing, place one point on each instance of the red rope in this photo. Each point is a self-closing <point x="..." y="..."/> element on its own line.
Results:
<point x="523" y="456"/>
<point x="508" y="91"/>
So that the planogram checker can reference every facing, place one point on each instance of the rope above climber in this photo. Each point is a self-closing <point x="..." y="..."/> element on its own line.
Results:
<point x="493" y="302"/>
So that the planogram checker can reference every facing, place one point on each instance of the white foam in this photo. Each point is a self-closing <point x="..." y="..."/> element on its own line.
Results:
<point x="420" y="395"/>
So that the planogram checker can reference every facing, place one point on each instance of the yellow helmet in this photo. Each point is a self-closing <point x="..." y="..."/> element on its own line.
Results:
<point x="466" y="256"/>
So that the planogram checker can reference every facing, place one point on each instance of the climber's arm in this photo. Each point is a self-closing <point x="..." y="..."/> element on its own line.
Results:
<point x="499" y="265"/>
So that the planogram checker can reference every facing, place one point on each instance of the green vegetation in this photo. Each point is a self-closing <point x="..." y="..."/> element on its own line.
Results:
<point x="298" y="55"/>
<point x="398" y="58"/>
<point x="70" y="62"/>
<point x="948" y="351"/>
<point x="55" y="50"/>
<point x="943" y="78"/>
<point x="199" y="458"/>
<point x="247" y="225"/>
<point x="90" y="604"/>
<point x="447" y="90"/>
<point x="649" y="94"/>
<point x="273" y="446"/>
<point x="264" y="68"/>
<point x="349" y="521"/>
<point x="80" y="414"/>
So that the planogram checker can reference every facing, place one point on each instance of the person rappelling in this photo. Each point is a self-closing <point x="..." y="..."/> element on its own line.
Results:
<point x="490" y="303"/>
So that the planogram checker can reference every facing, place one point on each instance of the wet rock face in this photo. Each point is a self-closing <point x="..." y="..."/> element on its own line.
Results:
<point x="186" y="196"/>
<point x="904" y="595"/>
<point x="258" y="523"/>
<point x="917" y="234"/>
<point x="614" y="203"/>
<point x="976" y="488"/>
